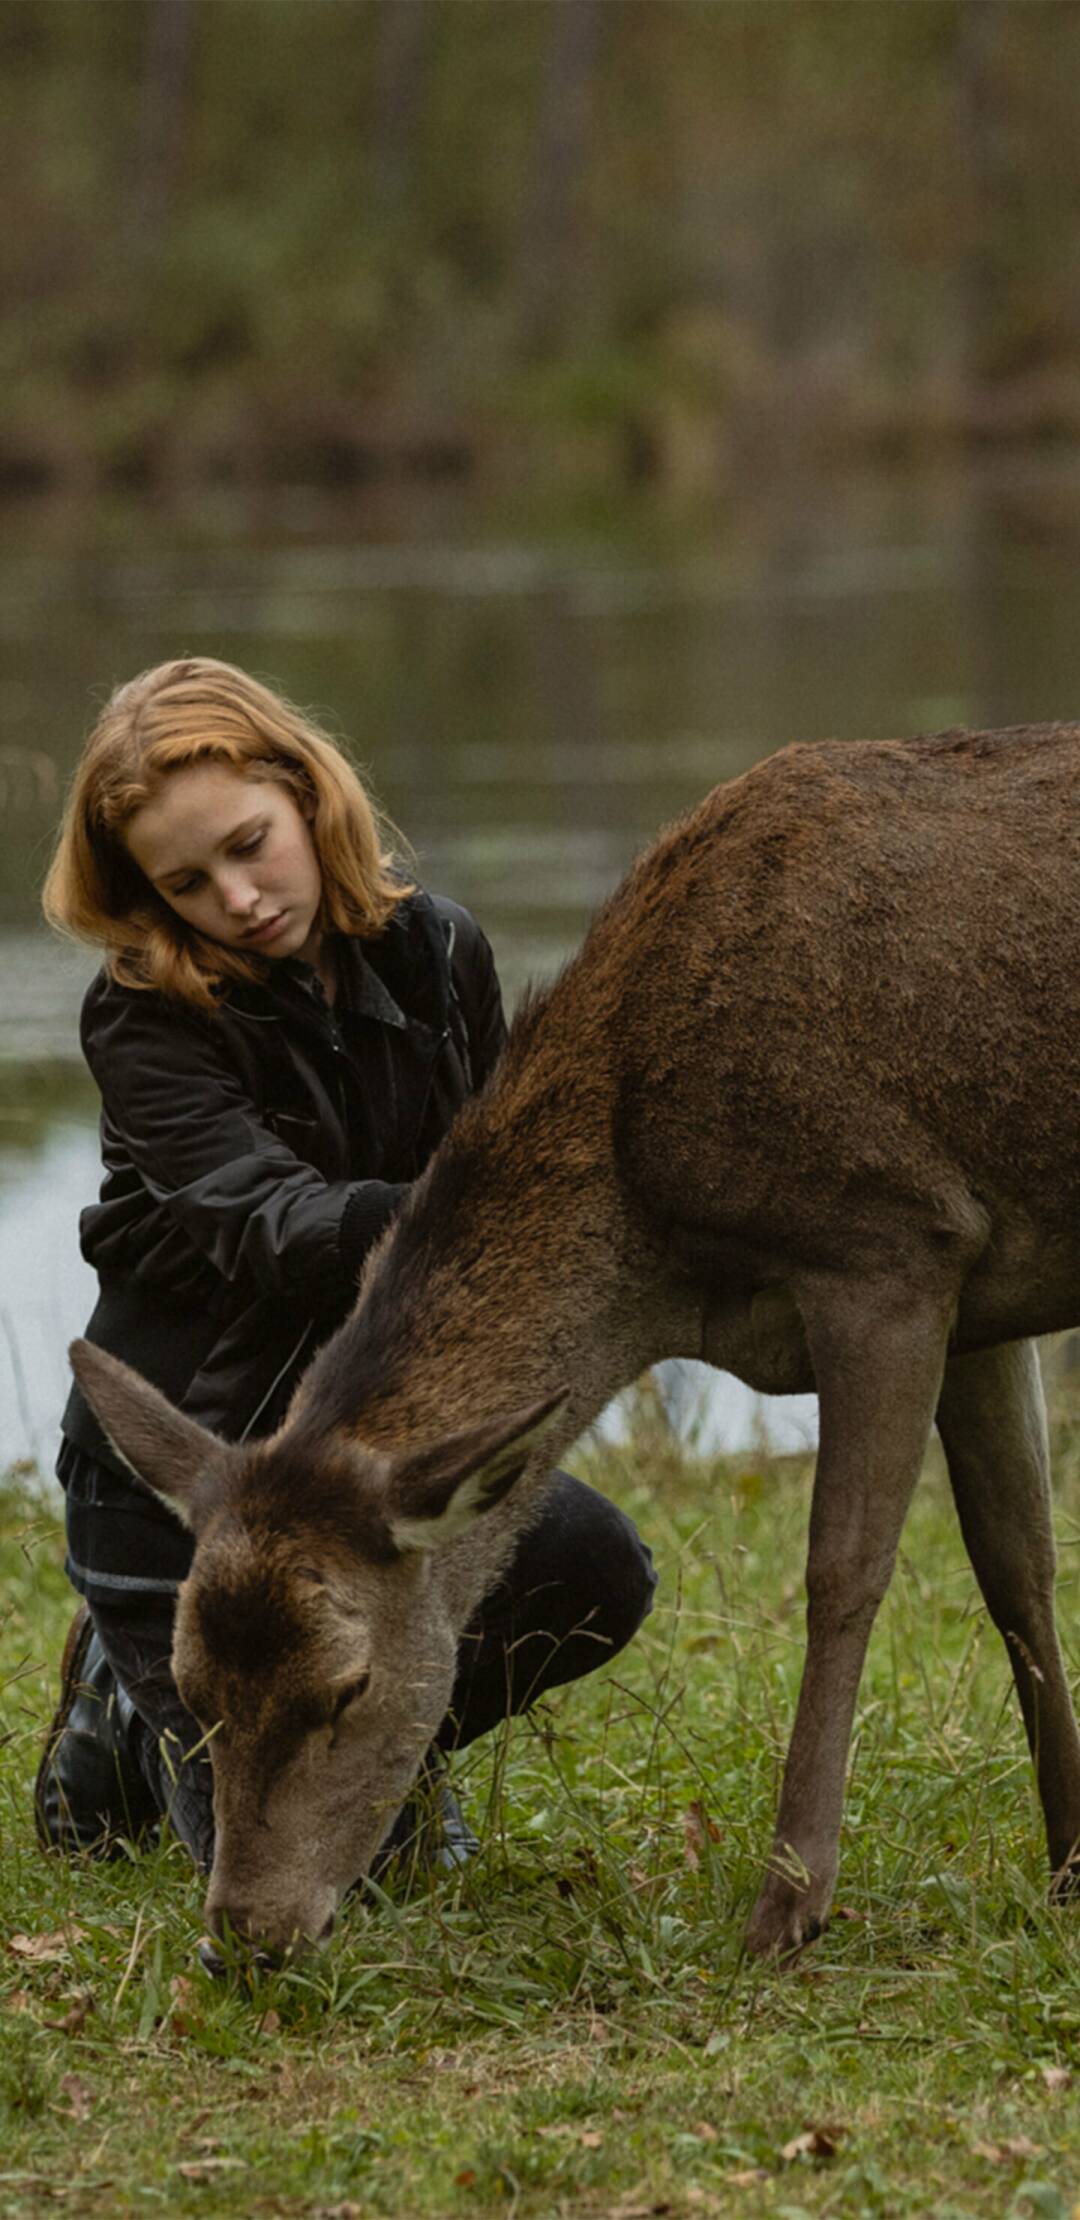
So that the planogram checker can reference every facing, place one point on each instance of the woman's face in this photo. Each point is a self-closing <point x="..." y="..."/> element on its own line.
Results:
<point x="234" y="857"/>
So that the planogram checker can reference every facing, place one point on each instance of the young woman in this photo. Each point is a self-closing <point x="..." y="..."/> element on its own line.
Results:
<point x="282" y="1031"/>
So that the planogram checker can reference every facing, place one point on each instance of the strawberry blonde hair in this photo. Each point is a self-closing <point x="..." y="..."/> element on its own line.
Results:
<point x="198" y="711"/>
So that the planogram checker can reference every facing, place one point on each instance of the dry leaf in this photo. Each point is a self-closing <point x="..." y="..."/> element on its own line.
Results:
<point x="270" y="2024"/>
<point x="591" y="2139"/>
<point x="80" y="2097"/>
<point x="815" y="2142"/>
<point x="748" y="2177"/>
<point x="194" y="2125"/>
<point x="43" y="1950"/>
<point x="19" y="2000"/>
<point x="1010" y="2146"/>
<point x="467" y="2177"/>
<point x="706" y="2133"/>
<point x="75" y="2018"/>
<point x="183" y="2013"/>
<point x="203" y="2169"/>
<point x="697" y="1827"/>
<point x="1056" y="2077"/>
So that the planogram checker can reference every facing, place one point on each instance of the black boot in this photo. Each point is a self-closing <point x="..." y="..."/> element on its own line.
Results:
<point x="430" y="1829"/>
<point x="89" y="1787"/>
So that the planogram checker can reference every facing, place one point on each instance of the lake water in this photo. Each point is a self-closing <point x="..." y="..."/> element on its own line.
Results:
<point x="533" y="704"/>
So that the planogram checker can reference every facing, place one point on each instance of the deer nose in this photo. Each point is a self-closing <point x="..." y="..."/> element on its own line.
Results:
<point x="244" y="1957"/>
<point x="236" y="1925"/>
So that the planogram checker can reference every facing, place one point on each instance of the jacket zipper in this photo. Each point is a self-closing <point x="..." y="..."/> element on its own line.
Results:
<point x="435" y="1055"/>
<point x="276" y="1381"/>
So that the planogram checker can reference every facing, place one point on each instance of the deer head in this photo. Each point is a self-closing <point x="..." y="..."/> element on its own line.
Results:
<point x="315" y="1642"/>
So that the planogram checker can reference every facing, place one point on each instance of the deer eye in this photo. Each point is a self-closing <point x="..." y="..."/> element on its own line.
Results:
<point x="348" y="1695"/>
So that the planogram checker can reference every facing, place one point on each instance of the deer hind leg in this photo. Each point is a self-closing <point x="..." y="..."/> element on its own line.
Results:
<point x="878" y="1355"/>
<point x="992" y="1421"/>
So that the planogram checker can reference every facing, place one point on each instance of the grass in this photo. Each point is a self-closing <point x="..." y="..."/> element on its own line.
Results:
<point x="569" y="2027"/>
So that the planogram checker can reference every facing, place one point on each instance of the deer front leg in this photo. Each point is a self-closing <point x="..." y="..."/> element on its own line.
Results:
<point x="992" y="1421"/>
<point x="878" y="1355"/>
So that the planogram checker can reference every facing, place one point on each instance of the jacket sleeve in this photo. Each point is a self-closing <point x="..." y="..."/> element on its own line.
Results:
<point x="479" y="993"/>
<point x="258" y="1213"/>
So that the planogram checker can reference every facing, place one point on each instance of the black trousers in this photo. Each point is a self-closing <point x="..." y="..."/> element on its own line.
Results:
<point x="577" y="1589"/>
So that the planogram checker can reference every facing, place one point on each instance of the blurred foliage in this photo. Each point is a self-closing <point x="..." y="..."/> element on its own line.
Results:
<point x="328" y="239"/>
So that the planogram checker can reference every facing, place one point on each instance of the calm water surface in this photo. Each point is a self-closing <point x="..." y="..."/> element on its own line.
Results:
<point x="532" y="707"/>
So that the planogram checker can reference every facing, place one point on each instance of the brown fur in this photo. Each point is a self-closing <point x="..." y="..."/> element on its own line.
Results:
<point x="807" y="1103"/>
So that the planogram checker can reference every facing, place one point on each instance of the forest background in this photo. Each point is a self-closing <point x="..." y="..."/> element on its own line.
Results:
<point x="656" y="241"/>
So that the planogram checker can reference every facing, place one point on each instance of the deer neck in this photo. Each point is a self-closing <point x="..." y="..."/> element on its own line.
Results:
<point x="498" y="1283"/>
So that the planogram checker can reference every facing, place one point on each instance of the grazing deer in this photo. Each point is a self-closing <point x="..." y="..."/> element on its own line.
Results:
<point x="807" y="1104"/>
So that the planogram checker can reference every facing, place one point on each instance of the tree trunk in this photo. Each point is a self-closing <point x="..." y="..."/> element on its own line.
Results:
<point x="981" y="102"/>
<point x="163" y="112"/>
<point x="403" y="43"/>
<point x="560" y="155"/>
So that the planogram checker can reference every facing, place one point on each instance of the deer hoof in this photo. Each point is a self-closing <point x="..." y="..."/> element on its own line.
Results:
<point x="1065" y="1883"/>
<point x="785" y="1919"/>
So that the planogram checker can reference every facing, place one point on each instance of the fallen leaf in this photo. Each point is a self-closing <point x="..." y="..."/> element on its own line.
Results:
<point x="1010" y="2147"/>
<point x="203" y="2169"/>
<point x="270" y="2024"/>
<point x="815" y="2142"/>
<point x="183" y="2013"/>
<point x="747" y="2177"/>
<point x="80" y="2097"/>
<point x="75" y="2018"/>
<point x="704" y="2131"/>
<point x="697" y="1829"/>
<point x="44" y="1950"/>
<point x="591" y="2139"/>
<point x="467" y="2178"/>
<point x="19" y="2000"/>
<point x="1056" y="2077"/>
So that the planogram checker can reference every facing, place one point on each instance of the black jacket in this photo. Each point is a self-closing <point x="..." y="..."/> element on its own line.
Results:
<point x="253" y="1155"/>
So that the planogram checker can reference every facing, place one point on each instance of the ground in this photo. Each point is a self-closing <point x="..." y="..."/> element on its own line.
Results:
<point x="569" y="2028"/>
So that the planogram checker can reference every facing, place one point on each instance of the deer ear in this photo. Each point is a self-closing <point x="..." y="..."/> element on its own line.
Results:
<point x="172" y="1456"/>
<point x="436" y="1494"/>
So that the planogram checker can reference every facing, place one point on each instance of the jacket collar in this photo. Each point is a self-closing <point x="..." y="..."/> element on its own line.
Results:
<point x="402" y="978"/>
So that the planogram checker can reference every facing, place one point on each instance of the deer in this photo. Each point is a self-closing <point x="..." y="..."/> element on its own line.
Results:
<point x="806" y="1103"/>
